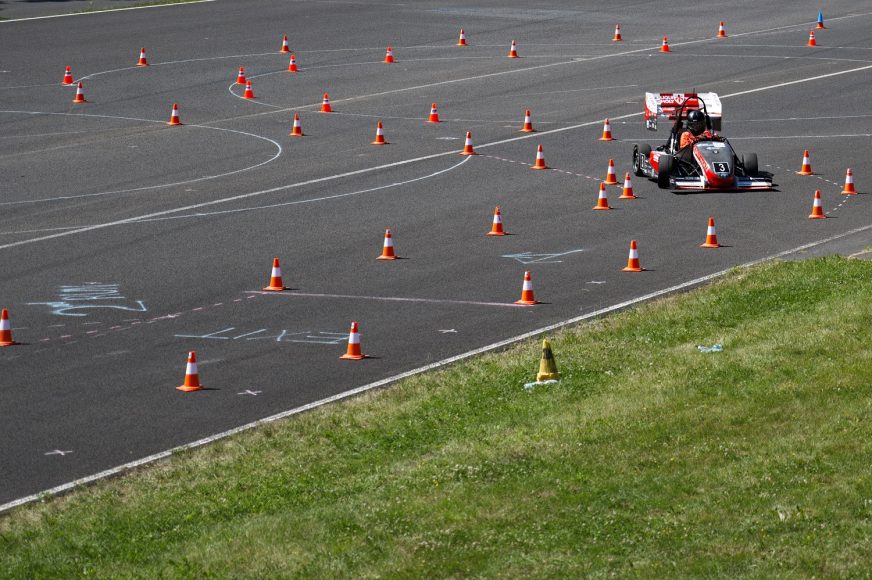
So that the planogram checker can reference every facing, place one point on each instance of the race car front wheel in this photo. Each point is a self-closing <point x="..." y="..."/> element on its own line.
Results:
<point x="749" y="162"/>
<point x="639" y="153"/>
<point x="664" y="171"/>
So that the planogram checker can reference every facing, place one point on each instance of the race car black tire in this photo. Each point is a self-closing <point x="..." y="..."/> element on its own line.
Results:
<point x="638" y="153"/>
<point x="749" y="161"/>
<point x="664" y="171"/>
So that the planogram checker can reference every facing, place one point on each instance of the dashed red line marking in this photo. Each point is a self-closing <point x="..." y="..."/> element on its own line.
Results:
<point x="598" y="179"/>
<point x="821" y="178"/>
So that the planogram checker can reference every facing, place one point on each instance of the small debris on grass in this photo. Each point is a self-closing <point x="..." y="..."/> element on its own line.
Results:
<point x="717" y="347"/>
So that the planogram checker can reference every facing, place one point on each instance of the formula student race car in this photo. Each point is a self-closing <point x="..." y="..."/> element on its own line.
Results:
<point x="708" y="164"/>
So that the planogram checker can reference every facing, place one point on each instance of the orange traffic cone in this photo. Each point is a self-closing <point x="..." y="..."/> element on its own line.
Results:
<point x="80" y="94"/>
<point x="540" y="160"/>
<point x="292" y="65"/>
<point x="665" y="46"/>
<point x="142" y="60"/>
<point x="497" y="227"/>
<point x="275" y="278"/>
<point x="248" y="94"/>
<point x="325" y="104"/>
<point x="462" y="40"/>
<point x="68" y="76"/>
<point x="527" y="297"/>
<point x="633" y="260"/>
<point x="297" y="130"/>
<point x="379" y="135"/>
<point x="611" y="177"/>
<point x="602" y="201"/>
<point x="353" y="351"/>
<point x="817" y="210"/>
<point x="722" y="33"/>
<point x="285" y="47"/>
<point x="806" y="165"/>
<point x="513" y="50"/>
<point x="711" y="236"/>
<point x="849" y="184"/>
<point x="434" y="115"/>
<point x="174" y="116"/>
<point x="389" y="55"/>
<point x="607" y="131"/>
<point x="388" y="248"/>
<point x="467" y="145"/>
<point x="617" y="36"/>
<point x="627" y="192"/>
<point x="528" y="124"/>
<point x="811" y="40"/>
<point x="5" y="329"/>
<point x="240" y="76"/>
<point x="192" y="377"/>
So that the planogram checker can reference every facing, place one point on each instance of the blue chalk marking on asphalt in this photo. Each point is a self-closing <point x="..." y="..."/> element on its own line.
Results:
<point x="90" y="293"/>
<point x="305" y="336"/>
<point x="531" y="258"/>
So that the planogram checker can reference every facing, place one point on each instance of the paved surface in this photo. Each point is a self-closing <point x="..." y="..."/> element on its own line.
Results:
<point x="124" y="243"/>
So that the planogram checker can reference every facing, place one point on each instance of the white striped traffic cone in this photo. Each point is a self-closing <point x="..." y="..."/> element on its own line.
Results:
<point x="353" y="351"/>
<point x="192" y="377"/>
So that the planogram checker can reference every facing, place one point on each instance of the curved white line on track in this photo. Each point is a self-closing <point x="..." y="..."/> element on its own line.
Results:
<point x="94" y="12"/>
<point x="148" y="187"/>
<point x="120" y="469"/>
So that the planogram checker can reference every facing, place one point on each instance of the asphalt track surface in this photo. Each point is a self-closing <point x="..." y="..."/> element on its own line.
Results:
<point x="125" y="243"/>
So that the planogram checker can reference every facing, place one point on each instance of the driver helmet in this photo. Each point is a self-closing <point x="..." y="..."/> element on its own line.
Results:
<point x="696" y="122"/>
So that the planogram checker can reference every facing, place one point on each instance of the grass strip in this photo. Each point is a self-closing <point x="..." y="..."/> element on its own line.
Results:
<point x="649" y="458"/>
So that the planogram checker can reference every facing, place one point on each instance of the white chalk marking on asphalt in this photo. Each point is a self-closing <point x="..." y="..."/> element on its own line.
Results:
<point x="58" y="452"/>
<point x="448" y="331"/>
<point x="387" y="165"/>
<point x="147" y="187"/>
<point x="92" y="12"/>
<point x="383" y="298"/>
<point x="392" y="379"/>
<point x="250" y="392"/>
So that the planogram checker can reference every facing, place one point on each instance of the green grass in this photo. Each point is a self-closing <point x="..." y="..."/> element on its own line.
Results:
<point x="649" y="458"/>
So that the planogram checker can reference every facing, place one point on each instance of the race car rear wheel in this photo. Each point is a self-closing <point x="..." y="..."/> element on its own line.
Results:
<point x="749" y="162"/>
<point x="664" y="171"/>
<point x="639" y="153"/>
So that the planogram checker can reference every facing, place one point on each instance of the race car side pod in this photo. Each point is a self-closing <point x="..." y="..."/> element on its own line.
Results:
<point x="297" y="130"/>
<point x="540" y="160"/>
<point x="497" y="225"/>
<point x="353" y="350"/>
<point x="602" y="201"/>
<point x="275" y="278"/>
<point x="665" y="46"/>
<point x="285" y="47"/>
<point x="248" y="94"/>
<point x="722" y="33"/>
<point x="527" y="296"/>
<point x="5" y="329"/>
<point x="388" y="247"/>
<point x="68" y="76"/>
<point x="174" y="116"/>
<point x="192" y="376"/>
<point x="849" y="184"/>
<point x="528" y="124"/>
<point x="806" y="165"/>
<point x="711" y="236"/>
<point x="379" y="134"/>
<point x="611" y="177"/>
<point x="142" y="60"/>
<point x="607" y="131"/>
<point x="817" y="210"/>
<point x="633" y="261"/>
<point x="811" y="40"/>
<point x="820" y="20"/>
<point x="617" y="36"/>
<point x="627" y="193"/>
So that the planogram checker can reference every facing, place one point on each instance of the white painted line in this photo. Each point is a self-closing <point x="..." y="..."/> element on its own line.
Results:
<point x="381" y="383"/>
<point x="102" y="11"/>
<point x="384" y="298"/>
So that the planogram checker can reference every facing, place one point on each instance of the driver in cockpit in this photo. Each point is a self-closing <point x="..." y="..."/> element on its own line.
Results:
<point x="695" y="129"/>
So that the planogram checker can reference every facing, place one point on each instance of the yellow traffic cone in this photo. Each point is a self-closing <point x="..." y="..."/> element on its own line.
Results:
<point x="547" y="365"/>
